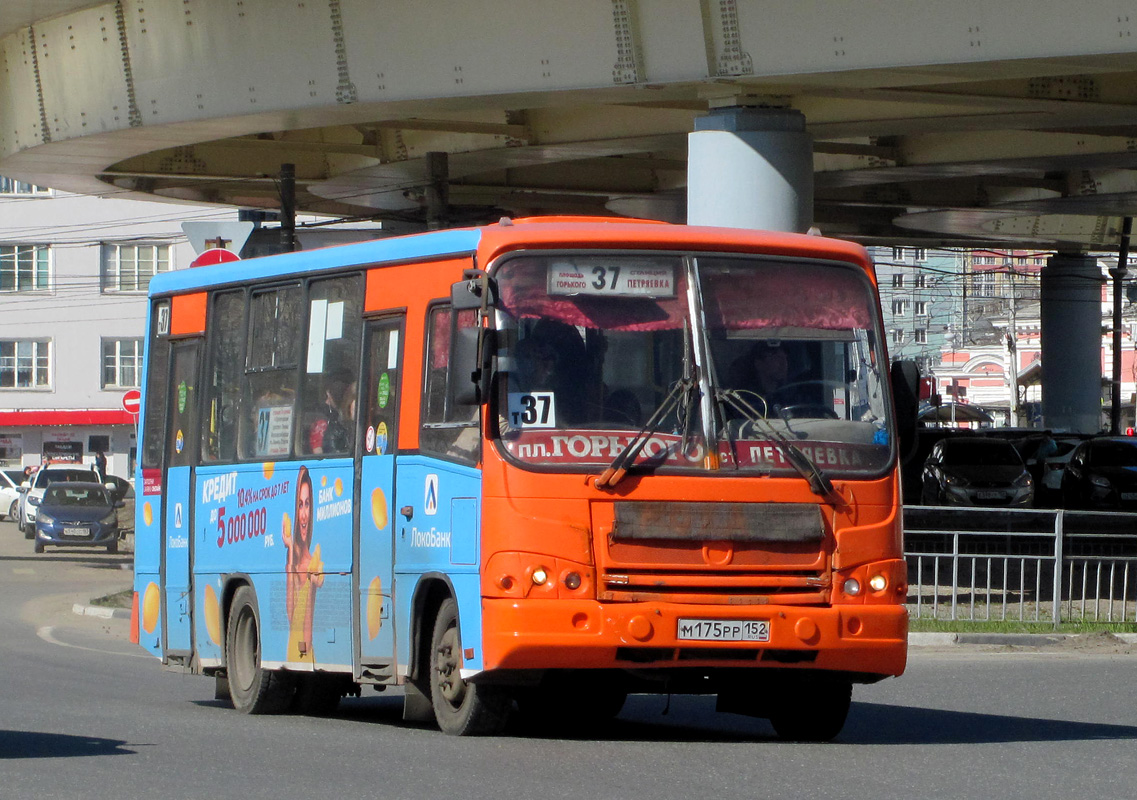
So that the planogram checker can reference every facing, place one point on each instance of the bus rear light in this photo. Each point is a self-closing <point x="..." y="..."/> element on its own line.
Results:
<point x="851" y="587"/>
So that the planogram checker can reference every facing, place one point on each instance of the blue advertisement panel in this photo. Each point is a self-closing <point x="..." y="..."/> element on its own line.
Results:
<point x="376" y="564"/>
<point x="147" y="563"/>
<point x="439" y="536"/>
<point x="288" y="527"/>
<point x="177" y="605"/>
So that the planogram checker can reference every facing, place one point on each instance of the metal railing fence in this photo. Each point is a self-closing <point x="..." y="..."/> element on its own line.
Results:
<point x="1036" y="566"/>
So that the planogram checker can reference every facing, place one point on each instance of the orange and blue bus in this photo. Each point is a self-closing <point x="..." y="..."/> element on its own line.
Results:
<point x="527" y="469"/>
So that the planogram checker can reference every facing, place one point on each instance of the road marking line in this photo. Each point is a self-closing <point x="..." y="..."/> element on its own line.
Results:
<point x="47" y="633"/>
<point x="23" y="571"/>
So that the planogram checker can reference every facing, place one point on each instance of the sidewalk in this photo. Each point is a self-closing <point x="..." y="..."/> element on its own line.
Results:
<point x="1011" y="639"/>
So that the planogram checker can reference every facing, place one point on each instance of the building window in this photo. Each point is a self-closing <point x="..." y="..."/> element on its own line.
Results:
<point x="897" y="336"/>
<point x="25" y="364"/>
<point x="921" y="308"/>
<point x="920" y="336"/>
<point x="25" y="267"/>
<point x="983" y="284"/>
<point x="897" y="280"/>
<point x="122" y="363"/>
<point x="921" y="254"/>
<point x="900" y="308"/>
<point x="129" y="267"/>
<point x="920" y="280"/>
<point x="9" y="186"/>
<point x="898" y="254"/>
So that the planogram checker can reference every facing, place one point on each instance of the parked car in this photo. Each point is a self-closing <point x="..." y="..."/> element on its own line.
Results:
<point x="77" y="514"/>
<point x="10" y="480"/>
<point x="1102" y="473"/>
<point x="976" y="471"/>
<point x="1046" y="456"/>
<point x="122" y="490"/>
<point x="32" y="491"/>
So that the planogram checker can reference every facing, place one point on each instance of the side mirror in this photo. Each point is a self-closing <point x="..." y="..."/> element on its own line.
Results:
<point x="470" y="353"/>
<point x="905" y="378"/>
<point x="476" y="290"/>
<point x="471" y="347"/>
<point x="23" y="487"/>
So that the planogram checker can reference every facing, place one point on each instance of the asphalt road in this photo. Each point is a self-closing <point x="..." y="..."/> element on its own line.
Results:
<point x="87" y="715"/>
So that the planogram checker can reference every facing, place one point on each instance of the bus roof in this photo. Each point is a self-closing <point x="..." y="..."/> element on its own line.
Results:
<point x="397" y="248"/>
<point x="535" y="232"/>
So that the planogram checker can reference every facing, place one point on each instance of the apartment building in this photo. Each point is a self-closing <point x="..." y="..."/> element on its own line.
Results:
<point x="919" y="295"/>
<point x="74" y="271"/>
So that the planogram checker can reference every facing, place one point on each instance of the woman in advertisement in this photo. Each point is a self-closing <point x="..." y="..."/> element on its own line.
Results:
<point x="304" y="572"/>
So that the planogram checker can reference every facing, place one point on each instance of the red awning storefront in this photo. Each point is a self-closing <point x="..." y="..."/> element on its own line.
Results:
<point x="78" y="416"/>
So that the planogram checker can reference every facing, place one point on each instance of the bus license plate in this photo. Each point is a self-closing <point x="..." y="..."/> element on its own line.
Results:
<point x="724" y="630"/>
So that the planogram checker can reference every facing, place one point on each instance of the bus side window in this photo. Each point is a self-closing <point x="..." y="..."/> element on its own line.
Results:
<point x="447" y="429"/>
<point x="272" y="361"/>
<point x="154" y="426"/>
<point x="223" y="405"/>
<point x="329" y="380"/>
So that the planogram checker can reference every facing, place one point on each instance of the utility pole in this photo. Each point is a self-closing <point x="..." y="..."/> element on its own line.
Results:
<point x="1012" y="355"/>
<point x="288" y="207"/>
<point x="1118" y="275"/>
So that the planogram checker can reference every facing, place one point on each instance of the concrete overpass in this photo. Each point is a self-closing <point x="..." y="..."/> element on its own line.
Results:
<point x="928" y="122"/>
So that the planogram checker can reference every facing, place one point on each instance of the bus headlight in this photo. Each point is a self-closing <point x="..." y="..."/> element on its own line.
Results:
<point x="878" y="583"/>
<point x="851" y="587"/>
<point x="539" y="577"/>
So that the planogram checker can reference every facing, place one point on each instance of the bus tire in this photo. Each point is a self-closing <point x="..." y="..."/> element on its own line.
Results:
<point x="816" y="712"/>
<point x="461" y="708"/>
<point x="253" y="690"/>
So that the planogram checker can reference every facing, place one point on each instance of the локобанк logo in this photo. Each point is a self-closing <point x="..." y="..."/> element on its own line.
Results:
<point x="430" y="498"/>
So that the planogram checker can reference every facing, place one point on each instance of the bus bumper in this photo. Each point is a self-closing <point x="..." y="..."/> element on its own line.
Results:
<point x="867" y="642"/>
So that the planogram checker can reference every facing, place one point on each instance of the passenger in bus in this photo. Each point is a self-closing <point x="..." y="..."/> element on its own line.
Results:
<point x="329" y="433"/>
<point x="536" y="366"/>
<point x="304" y="571"/>
<point x="765" y="370"/>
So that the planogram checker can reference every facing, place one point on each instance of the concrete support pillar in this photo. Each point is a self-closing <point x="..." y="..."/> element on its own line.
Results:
<point x="751" y="168"/>
<point x="1071" y="344"/>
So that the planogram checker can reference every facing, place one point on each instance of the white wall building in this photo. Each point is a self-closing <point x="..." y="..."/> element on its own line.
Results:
<point x="73" y="277"/>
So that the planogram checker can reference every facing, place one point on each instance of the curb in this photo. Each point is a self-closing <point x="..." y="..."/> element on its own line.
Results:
<point x="100" y="611"/>
<point x="1019" y="639"/>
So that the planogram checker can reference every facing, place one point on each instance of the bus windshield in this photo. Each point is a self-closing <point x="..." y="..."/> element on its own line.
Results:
<point x="708" y="362"/>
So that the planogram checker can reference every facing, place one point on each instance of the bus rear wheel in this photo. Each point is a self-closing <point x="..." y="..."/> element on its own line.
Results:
<point x="253" y="689"/>
<point x="461" y="708"/>
<point x="815" y="710"/>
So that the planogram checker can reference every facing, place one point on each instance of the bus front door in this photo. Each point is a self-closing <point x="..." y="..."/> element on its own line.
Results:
<point x="378" y="402"/>
<point x="177" y="540"/>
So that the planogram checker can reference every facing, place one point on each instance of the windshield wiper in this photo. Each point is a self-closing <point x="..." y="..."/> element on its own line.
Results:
<point x="680" y="394"/>
<point x="819" y="482"/>
<point x="627" y="457"/>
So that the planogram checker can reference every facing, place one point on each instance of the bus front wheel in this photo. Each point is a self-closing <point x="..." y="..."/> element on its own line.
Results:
<point x="461" y="708"/>
<point x="253" y="690"/>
